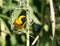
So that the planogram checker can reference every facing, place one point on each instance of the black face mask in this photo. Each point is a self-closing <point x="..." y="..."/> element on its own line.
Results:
<point x="23" y="20"/>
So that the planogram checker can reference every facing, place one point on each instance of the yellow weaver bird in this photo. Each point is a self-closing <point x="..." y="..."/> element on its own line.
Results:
<point x="20" y="22"/>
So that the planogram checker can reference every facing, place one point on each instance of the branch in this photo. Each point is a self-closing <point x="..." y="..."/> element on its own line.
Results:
<point x="36" y="39"/>
<point x="52" y="17"/>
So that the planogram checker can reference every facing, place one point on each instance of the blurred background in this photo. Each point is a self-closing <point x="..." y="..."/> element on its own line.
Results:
<point x="39" y="12"/>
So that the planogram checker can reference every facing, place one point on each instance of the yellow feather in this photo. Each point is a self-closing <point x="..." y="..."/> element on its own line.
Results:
<point x="18" y="22"/>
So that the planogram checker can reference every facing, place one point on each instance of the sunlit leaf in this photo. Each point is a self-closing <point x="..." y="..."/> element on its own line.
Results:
<point x="48" y="1"/>
<point x="1" y="3"/>
<point x="46" y="27"/>
<point x="13" y="40"/>
<point x="4" y="31"/>
<point x="47" y="44"/>
<point x="5" y="26"/>
<point x="23" y="38"/>
<point x="3" y="35"/>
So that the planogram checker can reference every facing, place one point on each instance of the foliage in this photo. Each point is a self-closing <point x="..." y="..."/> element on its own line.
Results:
<point x="38" y="23"/>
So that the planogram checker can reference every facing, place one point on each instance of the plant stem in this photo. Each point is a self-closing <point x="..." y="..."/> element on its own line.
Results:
<point x="27" y="3"/>
<point x="27" y="31"/>
<point x="52" y="17"/>
<point x="27" y="34"/>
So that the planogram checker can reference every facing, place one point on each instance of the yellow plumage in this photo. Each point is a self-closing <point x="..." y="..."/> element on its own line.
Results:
<point x="20" y="21"/>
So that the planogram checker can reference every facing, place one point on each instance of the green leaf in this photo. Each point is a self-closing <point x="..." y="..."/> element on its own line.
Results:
<point x="32" y="16"/>
<point x="58" y="26"/>
<point x="1" y="3"/>
<point x="13" y="40"/>
<point x="23" y="38"/>
<point x="47" y="44"/>
<point x="4" y="16"/>
<point x="14" y="15"/>
<point x="5" y="26"/>
<point x="46" y="27"/>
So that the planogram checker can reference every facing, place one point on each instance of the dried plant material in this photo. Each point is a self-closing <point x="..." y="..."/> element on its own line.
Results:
<point x="52" y="17"/>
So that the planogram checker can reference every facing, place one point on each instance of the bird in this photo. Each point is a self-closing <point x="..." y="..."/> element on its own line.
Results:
<point x="20" y="22"/>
